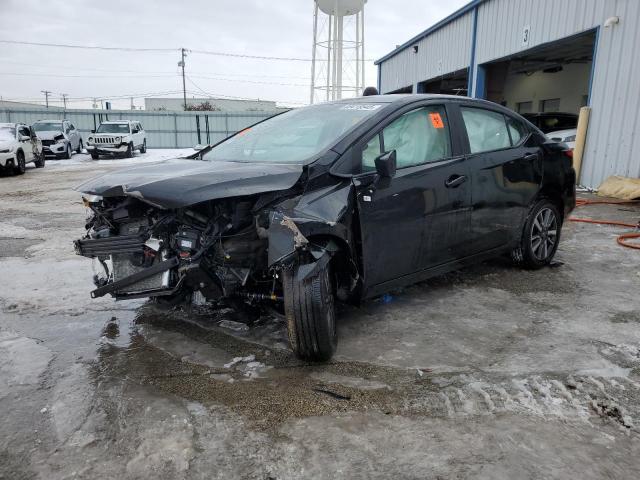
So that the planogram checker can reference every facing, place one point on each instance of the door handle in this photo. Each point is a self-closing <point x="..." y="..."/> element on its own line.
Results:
<point x="531" y="156"/>
<point x="455" y="181"/>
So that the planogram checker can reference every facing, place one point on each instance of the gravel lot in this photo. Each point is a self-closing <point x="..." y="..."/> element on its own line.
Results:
<point x="487" y="373"/>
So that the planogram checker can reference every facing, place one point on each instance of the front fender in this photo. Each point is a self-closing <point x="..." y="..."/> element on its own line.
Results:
<point x="324" y="212"/>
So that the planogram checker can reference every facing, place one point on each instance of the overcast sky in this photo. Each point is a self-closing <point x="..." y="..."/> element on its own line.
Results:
<point x="281" y="28"/>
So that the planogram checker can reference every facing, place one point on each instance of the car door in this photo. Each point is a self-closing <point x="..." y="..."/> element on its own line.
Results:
<point x="137" y="135"/>
<point x="24" y="139"/>
<point x="412" y="221"/>
<point x="505" y="175"/>
<point x="75" y="136"/>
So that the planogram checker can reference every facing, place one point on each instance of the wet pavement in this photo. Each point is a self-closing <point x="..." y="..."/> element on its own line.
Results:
<point x="491" y="372"/>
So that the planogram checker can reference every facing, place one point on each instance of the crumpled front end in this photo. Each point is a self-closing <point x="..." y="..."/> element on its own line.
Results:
<point x="225" y="247"/>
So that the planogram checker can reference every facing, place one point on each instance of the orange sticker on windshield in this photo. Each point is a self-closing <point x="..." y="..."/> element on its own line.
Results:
<point x="436" y="120"/>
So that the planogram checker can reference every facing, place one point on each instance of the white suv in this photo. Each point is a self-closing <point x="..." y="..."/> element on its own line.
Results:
<point x="117" y="137"/>
<point x="19" y="146"/>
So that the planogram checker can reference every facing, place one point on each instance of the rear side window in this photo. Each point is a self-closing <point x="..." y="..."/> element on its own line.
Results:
<point x="418" y="137"/>
<point x="517" y="130"/>
<point x="487" y="130"/>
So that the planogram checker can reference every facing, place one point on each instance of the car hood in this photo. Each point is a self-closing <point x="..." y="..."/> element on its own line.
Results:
<point x="48" y="134"/>
<point x="181" y="182"/>
<point x="6" y="144"/>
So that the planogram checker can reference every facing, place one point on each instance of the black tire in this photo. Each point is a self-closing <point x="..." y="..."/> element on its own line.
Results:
<point x="129" y="152"/>
<point x="20" y="167"/>
<point x="95" y="156"/>
<point x="68" y="153"/>
<point x="79" y="146"/>
<point x="310" y="313"/>
<point x="540" y="236"/>
<point x="39" y="163"/>
<point x="143" y="148"/>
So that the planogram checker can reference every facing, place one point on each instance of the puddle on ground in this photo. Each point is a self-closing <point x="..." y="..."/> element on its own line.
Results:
<point x="200" y="361"/>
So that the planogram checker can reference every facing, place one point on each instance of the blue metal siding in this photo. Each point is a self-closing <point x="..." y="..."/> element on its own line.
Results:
<point x="613" y="139"/>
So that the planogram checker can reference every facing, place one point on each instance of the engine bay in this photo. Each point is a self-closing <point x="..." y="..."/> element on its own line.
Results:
<point x="218" y="248"/>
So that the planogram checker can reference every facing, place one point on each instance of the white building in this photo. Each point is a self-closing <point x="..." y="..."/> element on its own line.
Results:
<point x="538" y="55"/>
<point x="218" y="104"/>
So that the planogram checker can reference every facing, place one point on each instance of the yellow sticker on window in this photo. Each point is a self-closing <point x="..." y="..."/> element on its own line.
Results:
<point x="436" y="120"/>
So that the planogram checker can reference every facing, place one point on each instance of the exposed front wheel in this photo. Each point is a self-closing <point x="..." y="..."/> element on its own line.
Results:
<point x="68" y="153"/>
<point x="143" y="148"/>
<point x="129" y="152"/>
<point x="95" y="156"/>
<point x="20" y="167"/>
<point x="310" y="313"/>
<point x="39" y="162"/>
<point x="79" y="147"/>
<point x="540" y="236"/>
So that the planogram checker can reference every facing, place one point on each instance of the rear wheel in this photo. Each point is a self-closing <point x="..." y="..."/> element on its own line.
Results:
<point x="310" y="313"/>
<point x="540" y="236"/>
<point x="20" y="167"/>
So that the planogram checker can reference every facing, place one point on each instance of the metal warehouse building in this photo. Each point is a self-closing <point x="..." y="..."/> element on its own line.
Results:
<point x="538" y="55"/>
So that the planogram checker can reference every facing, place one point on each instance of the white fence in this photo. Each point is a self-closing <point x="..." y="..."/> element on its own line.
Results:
<point x="164" y="129"/>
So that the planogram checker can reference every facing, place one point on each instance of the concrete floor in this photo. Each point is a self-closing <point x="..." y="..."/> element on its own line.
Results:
<point x="491" y="372"/>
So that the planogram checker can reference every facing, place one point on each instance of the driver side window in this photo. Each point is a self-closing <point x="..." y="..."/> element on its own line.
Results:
<point x="418" y="137"/>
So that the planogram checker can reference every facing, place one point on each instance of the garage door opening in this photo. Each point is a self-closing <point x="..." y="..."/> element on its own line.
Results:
<point x="451" y="84"/>
<point x="553" y="78"/>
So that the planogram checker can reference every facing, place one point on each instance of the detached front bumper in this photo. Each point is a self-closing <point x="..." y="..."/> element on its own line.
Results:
<point x="107" y="150"/>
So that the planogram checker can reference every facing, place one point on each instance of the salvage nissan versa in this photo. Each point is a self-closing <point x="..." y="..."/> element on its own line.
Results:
<point x="339" y="201"/>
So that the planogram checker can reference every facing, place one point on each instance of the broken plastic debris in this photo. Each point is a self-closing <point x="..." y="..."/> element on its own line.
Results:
<point x="44" y="410"/>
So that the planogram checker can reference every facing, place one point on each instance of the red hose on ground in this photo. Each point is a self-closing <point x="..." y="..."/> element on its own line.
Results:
<point x="621" y="238"/>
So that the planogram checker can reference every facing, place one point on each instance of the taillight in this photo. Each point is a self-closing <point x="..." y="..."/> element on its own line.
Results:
<point x="569" y="152"/>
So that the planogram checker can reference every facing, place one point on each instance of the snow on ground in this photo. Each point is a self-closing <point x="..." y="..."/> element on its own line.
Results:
<point x="152" y="155"/>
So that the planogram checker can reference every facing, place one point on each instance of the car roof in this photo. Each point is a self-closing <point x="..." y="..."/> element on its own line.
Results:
<point x="11" y="124"/>
<point x="400" y="98"/>
<point x="118" y="121"/>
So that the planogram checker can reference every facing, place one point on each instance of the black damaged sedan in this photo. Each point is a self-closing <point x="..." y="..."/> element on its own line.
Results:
<point x="334" y="202"/>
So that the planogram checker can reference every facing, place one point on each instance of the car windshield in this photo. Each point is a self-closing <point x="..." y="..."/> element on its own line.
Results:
<point x="296" y="136"/>
<point x="113" y="128"/>
<point x="47" y="126"/>
<point x="7" y="133"/>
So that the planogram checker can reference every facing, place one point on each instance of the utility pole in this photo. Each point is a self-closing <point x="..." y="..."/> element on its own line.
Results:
<point x="46" y="97"/>
<point x="184" y="85"/>
<point x="64" y="100"/>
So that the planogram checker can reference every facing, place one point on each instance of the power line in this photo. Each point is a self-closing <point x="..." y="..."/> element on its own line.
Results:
<point x="85" y="76"/>
<point x="160" y="72"/>
<point x="134" y="49"/>
<point x="89" y="47"/>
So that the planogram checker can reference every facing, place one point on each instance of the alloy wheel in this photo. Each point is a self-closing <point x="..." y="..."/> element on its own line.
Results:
<point x="544" y="234"/>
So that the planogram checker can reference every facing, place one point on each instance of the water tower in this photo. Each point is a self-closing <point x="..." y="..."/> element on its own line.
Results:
<point x="337" y="67"/>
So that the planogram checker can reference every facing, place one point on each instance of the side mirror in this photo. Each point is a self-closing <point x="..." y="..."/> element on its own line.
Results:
<point x="386" y="164"/>
<point x="25" y="138"/>
<point x="135" y="130"/>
